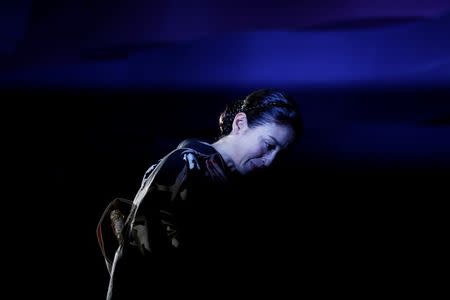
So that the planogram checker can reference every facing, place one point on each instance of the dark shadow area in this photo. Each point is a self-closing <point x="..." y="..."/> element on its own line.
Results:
<point x="319" y="213"/>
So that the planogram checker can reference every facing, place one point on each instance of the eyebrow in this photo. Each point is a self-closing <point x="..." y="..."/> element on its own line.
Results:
<point x="275" y="140"/>
<point x="278" y="143"/>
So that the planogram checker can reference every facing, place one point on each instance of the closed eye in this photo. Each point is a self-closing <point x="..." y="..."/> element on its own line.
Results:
<point x="270" y="146"/>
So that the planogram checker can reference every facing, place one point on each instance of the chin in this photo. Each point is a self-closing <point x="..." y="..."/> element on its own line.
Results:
<point x="243" y="170"/>
<point x="249" y="170"/>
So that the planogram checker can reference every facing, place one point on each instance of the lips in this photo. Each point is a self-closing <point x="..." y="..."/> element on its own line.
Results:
<point x="254" y="166"/>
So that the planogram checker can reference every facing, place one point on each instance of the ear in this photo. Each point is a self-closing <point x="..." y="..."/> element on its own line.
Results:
<point x="240" y="124"/>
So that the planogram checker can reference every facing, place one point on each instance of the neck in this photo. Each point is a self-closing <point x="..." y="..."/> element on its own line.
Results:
<point x="223" y="147"/>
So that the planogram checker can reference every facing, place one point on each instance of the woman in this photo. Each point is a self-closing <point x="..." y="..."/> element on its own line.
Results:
<point x="182" y="216"/>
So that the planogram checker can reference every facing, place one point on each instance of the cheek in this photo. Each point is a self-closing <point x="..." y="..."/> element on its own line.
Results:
<point x="242" y="154"/>
<point x="260" y="152"/>
<point x="255" y="152"/>
<point x="250" y="149"/>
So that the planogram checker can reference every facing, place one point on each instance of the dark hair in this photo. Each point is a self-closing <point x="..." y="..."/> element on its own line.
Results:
<point x="264" y="106"/>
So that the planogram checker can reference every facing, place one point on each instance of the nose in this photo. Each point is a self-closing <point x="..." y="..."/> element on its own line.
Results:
<point x="268" y="159"/>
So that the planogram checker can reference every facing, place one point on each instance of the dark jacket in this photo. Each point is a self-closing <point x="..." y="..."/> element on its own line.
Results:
<point x="176" y="227"/>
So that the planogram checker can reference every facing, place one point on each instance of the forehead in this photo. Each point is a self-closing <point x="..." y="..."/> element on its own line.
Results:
<point x="283" y="134"/>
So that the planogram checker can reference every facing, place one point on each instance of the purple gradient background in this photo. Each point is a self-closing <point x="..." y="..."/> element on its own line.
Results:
<point x="56" y="31"/>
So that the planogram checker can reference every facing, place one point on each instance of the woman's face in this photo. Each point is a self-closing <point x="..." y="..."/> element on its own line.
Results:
<point x="256" y="148"/>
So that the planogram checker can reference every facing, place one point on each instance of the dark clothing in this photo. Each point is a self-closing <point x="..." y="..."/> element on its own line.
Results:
<point x="179" y="226"/>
